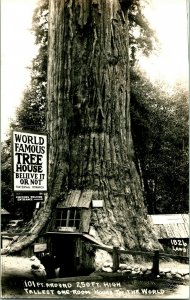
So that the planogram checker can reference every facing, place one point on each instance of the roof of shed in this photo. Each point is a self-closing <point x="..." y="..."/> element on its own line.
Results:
<point x="171" y="225"/>
<point x="79" y="234"/>
<point x="77" y="198"/>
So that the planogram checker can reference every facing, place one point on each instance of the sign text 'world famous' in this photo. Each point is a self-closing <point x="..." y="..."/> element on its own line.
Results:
<point x="29" y="161"/>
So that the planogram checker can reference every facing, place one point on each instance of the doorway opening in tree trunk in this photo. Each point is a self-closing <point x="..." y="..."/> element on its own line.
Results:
<point x="64" y="248"/>
<point x="74" y="255"/>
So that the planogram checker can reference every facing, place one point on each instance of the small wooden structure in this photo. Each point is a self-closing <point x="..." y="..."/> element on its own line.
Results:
<point x="172" y="231"/>
<point x="73" y="214"/>
<point x="69" y="240"/>
<point x="74" y="252"/>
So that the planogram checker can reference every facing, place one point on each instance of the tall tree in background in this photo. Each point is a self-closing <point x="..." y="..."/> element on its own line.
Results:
<point x="160" y="134"/>
<point x="31" y="114"/>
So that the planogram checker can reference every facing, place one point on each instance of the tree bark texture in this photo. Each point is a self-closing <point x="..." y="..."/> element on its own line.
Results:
<point x="88" y="119"/>
<point x="88" y="116"/>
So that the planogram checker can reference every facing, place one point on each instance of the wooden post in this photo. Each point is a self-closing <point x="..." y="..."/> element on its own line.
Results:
<point x="155" y="267"/>
<point x="115" y="259"/>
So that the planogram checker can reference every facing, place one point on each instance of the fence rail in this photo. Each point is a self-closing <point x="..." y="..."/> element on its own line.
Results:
<point x="156" y="255"/>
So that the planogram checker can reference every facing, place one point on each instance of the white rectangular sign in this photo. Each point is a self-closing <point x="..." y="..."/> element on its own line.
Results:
<point x="29" y="161"/>
<point x="69" y="229"/>
<point x="97" y="203"/>
<point x="40" y="247"/>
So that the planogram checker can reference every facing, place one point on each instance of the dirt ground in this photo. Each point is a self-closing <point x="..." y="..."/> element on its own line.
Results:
<point x="17" y="266"/>
<point x="19" y="282"/>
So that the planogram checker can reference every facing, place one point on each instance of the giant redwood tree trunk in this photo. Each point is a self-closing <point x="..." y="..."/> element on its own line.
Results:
<point x="88" y="118"/>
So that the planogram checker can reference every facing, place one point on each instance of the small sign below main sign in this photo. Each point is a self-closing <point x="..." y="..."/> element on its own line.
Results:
<point x="40" y="247"/>
<point x="29" y="197"/>
<point x="97" y="203"/>
<point x="67" y="229"/>
<point x="37" y="205"/>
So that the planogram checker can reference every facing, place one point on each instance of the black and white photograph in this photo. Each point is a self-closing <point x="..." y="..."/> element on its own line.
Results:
<point x="94" y="149"/>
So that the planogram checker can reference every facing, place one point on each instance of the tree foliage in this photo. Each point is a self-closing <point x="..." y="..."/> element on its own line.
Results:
<point x="160" y="133"/>
<point x="159" y="121"/>
<point x="6" y="188"/>
<point x="30" y="114"/>
<point x="142" y="38"/>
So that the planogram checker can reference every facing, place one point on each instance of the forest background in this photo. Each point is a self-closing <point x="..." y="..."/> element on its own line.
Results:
<point x="159" y="117"/>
